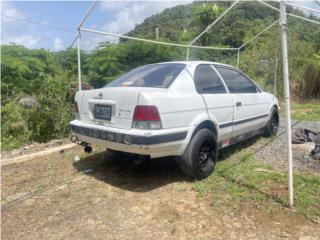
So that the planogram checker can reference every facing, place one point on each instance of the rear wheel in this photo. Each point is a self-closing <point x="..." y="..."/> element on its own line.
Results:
<point x="272" y="126"/>
<point x="200" y="157"/>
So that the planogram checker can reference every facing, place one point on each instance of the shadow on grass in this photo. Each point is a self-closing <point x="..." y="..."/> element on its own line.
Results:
<point x="123" y="173"/>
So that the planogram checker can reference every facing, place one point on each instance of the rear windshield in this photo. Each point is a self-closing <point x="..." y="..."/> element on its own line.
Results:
<point x="154" y="75"/>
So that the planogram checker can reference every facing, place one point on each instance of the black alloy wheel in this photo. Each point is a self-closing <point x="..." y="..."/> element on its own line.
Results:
<point x="206" y="155"/>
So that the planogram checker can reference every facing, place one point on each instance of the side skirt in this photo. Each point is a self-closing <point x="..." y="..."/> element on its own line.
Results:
<point x="240" y="138"/>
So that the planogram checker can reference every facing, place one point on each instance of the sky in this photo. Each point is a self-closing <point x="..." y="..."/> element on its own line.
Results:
<point x="52" y="24"/>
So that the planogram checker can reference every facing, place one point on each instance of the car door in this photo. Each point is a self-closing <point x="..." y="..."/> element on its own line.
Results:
<point x="218" y="101"/>
<point x="250" y="104"/>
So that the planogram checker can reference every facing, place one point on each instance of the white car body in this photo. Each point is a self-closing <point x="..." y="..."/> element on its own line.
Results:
<point x="232" y="116"/>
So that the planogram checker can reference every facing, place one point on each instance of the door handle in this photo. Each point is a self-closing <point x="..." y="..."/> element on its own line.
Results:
<point x="238" y="104"/>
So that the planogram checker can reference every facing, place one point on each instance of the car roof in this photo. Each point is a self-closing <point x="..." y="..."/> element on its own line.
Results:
<point x="189" y="63"/>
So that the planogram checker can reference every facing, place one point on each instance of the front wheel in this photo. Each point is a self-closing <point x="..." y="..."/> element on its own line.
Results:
<point x="200" y="157"/>
<point x="272" y="126"/>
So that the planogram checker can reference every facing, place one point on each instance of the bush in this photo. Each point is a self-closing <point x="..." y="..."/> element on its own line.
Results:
<point x="14" y="126"/>
<point x="51" y="118"/>
<point x="46" y="120"/>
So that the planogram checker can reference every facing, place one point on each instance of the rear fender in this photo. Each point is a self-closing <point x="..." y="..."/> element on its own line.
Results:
<point x="199" y="119"/>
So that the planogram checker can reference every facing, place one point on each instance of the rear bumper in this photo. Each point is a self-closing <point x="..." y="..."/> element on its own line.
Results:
<point x="156" y="143"/>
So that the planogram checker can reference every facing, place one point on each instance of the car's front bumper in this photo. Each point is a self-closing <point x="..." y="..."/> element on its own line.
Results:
<point x="156" y="143"/>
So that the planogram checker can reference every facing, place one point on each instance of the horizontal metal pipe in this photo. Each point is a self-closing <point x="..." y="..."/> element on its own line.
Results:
<point x="153" y="41"/>
<point x="289" y="14"/>
<point x="268" y="5"/>
<point x="39" y="23"/>
<point x="303" y="7"/>
<point x="303" y="18"/>
<point x="264" y="30"/>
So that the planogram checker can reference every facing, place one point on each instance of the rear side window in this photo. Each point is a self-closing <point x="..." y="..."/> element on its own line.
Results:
<point x="154" y="75"/>
<point x="236" y="82"/>
<point x="207" y="80"/>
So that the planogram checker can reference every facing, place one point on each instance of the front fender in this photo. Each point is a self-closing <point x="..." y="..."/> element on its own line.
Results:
<point x="273" y="102"/>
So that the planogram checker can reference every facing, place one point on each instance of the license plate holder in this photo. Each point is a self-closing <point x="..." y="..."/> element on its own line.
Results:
<point x="102" y="112"/>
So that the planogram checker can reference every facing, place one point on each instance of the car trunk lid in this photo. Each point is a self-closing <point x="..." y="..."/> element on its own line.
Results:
<point x="111" y="106"/>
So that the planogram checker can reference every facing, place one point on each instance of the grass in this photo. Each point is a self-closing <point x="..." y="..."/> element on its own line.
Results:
<point x="240" y="178"/>
<point x="304" y="111"/>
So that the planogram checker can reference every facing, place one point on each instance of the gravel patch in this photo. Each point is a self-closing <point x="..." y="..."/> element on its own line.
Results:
<point x="275" y="150"/>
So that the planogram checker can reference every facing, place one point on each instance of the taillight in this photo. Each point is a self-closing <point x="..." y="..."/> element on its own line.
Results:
<point x="76" y="111"/>
<point x="146" y="117"/>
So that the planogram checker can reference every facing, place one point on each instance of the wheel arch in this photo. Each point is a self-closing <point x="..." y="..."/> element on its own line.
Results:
<point x="201" y="121"/>
<point x="276" y="107"/>
<point x="277" y="111"/>
<point x="208" y="124"/>
<point x="273" y="106"/>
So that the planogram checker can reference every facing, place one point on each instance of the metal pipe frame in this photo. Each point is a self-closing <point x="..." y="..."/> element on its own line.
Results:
<point x="154" y="41"/>
<point x="188" y="53"/>
<point x="303" y="7"/>
<point x="238" y="58"/>
<point x="268" y="5"/>
<point x="303" y="18"/>
<point x="78" y="41"/>
<point x="289" y="14"/>
<point x="79" y="62"/>
<point x="283" y="27"/>
<point x="264" y="30"/>
<point x="89" y="11"/>
<point x="284" y="41"/>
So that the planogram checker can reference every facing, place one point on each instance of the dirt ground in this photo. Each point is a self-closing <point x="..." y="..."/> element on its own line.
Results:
<point x="106" y="197"/>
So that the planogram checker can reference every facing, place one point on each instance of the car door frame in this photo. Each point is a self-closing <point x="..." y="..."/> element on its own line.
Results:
<point x="223" y="120"/>
<point x="251" y="121"/>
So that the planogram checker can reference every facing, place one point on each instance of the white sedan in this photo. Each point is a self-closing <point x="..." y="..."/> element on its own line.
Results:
<point x="189" y="109"/>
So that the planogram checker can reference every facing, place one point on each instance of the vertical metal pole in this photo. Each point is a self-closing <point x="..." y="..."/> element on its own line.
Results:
<point x="283" y="27"/>
<point x="79" y="61"/>
<point x="238" y="59"/>
<point x="275" y="78"/>
<point x="157" y="33"/>
<point x="188" y="52"/>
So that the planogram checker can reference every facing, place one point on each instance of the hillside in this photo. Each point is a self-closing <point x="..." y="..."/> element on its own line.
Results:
<point x="245" y="20"/>
<point x="171" y="22"/>
<point x="179" y="24"/>
<point x="182" y="23"/>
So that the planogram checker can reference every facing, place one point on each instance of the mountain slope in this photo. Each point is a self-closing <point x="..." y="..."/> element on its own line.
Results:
<point x="182" y="23"/>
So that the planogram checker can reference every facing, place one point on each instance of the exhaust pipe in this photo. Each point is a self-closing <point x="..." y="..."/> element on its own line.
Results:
<point x="87" y="147"/>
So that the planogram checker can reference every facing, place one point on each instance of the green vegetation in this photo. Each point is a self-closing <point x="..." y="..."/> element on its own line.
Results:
<point x="51" y="77"/>
<point x="240" y="178"/>
<point x="306" y="111"/>
<point x="33" y="74"/>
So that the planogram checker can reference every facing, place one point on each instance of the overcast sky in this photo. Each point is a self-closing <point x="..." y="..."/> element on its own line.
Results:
<point x="18" y="18"/>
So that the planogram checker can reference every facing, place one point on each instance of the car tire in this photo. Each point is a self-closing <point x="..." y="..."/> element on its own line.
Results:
<point x="272" y="125"/>
<point x="200" y="157"/>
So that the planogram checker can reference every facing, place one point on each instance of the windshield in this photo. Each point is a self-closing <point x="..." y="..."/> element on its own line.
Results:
<point x="154" y="75"/>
